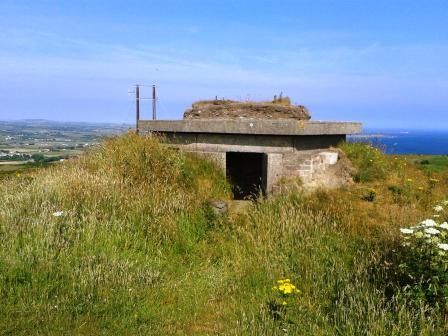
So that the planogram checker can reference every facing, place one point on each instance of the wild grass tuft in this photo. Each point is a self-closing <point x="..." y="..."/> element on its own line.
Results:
<point x="371" y="163"/>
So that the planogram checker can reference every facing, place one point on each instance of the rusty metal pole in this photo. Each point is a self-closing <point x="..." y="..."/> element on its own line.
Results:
<point x="154" y="117"/>
<point x="137" y="107"/>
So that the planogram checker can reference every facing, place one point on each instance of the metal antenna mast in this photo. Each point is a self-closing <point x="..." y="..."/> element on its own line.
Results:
<point x="137" y="104"/>
<point x="137" y="107"/>
<point x="154" y="99"/>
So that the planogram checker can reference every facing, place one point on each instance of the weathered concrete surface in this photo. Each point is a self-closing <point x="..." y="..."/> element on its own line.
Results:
<point x="217" y="157"/>
<point x="274" y="170"/>
<point x="329" y="158"/>
<point x="250" y="126"/>
<point x="255" y="143"/>
<point x="292" y="148"/>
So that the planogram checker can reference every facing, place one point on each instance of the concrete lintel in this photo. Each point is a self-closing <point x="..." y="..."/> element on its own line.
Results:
<point x="204" y="147"/>
<point x="250" y="126"/>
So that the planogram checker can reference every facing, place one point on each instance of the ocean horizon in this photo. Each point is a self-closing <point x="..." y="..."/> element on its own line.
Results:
<point x="423" y="142"/>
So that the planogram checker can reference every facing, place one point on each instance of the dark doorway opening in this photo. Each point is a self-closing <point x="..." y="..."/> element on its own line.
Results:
<point x="247" y="173"/>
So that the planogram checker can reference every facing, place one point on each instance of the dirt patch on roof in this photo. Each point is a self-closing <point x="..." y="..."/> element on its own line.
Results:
<point x="230" y="109"/>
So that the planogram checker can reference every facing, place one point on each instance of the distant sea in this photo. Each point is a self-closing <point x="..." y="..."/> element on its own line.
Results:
<point x="406" y="142"/>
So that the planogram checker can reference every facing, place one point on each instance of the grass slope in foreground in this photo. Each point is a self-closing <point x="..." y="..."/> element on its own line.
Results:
<point x="120" y="241"/>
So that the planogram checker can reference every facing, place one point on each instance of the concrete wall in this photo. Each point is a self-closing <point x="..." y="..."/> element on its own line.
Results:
<point x="252" y="142"/>
<point x="292" y="147"/>
<point x="250" y="126"/>
<point x="287" y="156"/>
<point x="218" y="157"/>
<point x="275" y="170"/>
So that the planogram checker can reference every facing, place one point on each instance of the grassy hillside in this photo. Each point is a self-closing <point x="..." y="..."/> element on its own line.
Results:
<point x="121" y="241"/>
<point x="431" y="163"/>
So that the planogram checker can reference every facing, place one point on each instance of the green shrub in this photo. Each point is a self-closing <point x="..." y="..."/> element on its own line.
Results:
<point x="424" y="269"/>
<point x="397" y="193"/>
<point x="369" y="195"/>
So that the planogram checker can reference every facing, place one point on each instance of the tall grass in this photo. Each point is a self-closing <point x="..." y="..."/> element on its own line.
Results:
<point x="126" y="205"/>
<point x="337" y="269"/>
<point x="371" y="163"/>
<point x="137" y="251"/>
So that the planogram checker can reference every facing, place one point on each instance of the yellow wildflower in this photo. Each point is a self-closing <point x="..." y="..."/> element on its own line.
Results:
<point x="285" y="287"/>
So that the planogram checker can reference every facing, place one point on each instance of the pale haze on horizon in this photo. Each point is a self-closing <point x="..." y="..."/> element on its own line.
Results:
<point x="384" y="63"/>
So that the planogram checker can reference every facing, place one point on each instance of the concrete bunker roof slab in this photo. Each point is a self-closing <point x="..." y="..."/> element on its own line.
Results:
<point x="251" y="126"/>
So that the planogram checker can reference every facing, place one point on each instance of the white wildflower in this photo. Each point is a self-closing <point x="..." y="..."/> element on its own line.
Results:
<point x="444" y="226"/>
<point x="443" y="247"/>
<point x="436" y="216"/>
<point x="432" y="231"/>
<point x="406" y="231"/>
<point x="445" y="202"/>
<point x="429" y="223"/>
<point x="438" y="208"/>
<point x="58" y="213"/>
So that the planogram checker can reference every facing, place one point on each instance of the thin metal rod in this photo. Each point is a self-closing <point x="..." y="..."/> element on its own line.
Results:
<point x="154" y="116"/>
<point x="137" y="107"/>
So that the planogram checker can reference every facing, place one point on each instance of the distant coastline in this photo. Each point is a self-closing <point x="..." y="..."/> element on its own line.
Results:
<point x="424" y="142"/>
<point x="370" y="136"/>
<point x="401" y="141"/>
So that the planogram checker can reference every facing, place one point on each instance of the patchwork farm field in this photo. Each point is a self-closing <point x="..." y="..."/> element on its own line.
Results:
<point x="30" y="144"/>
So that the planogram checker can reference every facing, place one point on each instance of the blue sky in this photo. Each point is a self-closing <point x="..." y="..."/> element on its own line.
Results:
<point x="384" y="63"/>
